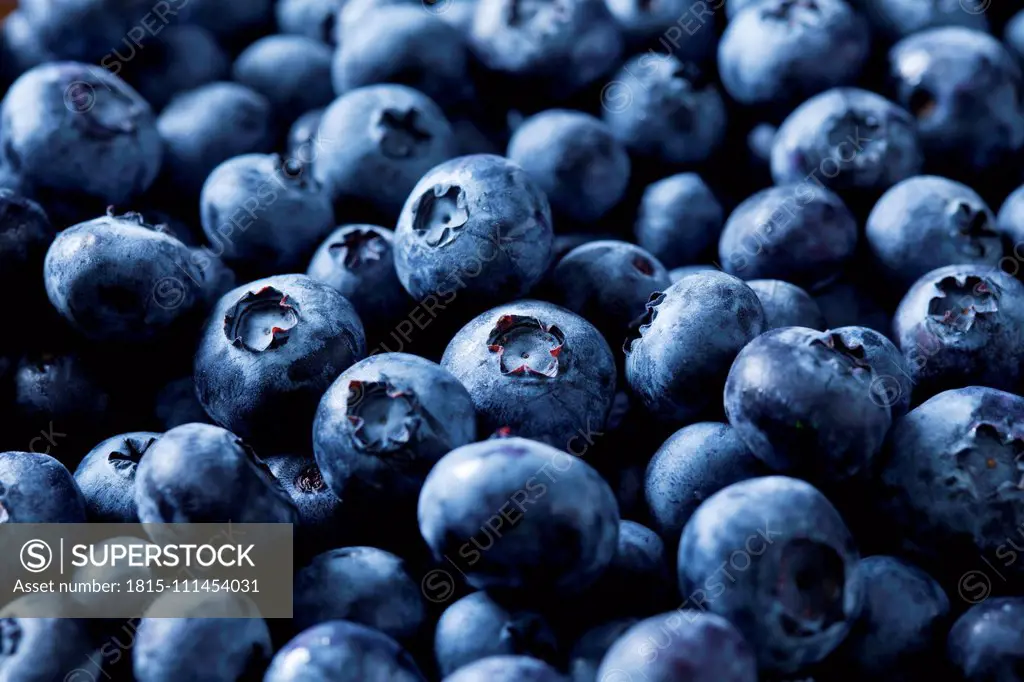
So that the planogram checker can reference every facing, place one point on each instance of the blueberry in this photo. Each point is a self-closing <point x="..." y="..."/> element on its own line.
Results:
<point x="963" y="88"/>
<point x="269" y="351"/>
<point x="176" y="404"/>
<point x="265" y="214"/>
<point x="304" y="140"/>
<point x="608" y="282"/>
<point x="894" y="19"/>
<point x="673" y="364"/>
<point x="76" y="128"/>
<point x="378" y="141"/>
<point x="574" y="159"/>
<point x="362" y="585"/>
<point x="340" y="651"/>
<point x="181" y="58"/>
<point x="198" y="473"/>
<point x="962" y="324"/>
<point x="292" y="72"/>
<point x="84" y="30"/>
<point x="777" y="53"/>
<point x="34" y="649"/>
<point x="985" y="642"/>
<point x="665" y="109"/>
<point x="36" y="488"/>
<point x="1013" y="36"/>
<point x="536" y="368"/>
<point x="114" y="278"/>
<point x="25" y="234"/>
<point x="679" y="220"/>
<point x="321" y="522"/>
<point x="229" y="19"/>
<point x="106" y="477"/>
<point x="783" y="397"/>
<point x="693" y="464"/>
<point x="1010" y="223"/>
<point x="310" y="18"/>
<point x="506" y="669"/>
<point x="949" y="217"/>
<point x="893" y="384"/>
<point x="477" y="627"/>
<point x="795" y="591"/>
<point x="703" y="648"/>
<point x="848" y="301"/>
<point x="476" y="226"/>
<point x="646" y="22"/>
<point x="566" y="523"/>
<point x="591" y="647"/>
<point x="786" y="305"/>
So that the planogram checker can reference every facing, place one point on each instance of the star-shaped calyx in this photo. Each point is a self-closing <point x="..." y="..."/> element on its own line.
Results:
<point x="358" y="247"/>
<point x="261" y="321"/>
<point x="440" y="214"/>
<point x="961" y="300"/>
<point x="400" y="133"/>
<point x="383" y="417"/>
<point x="526" y="346"/>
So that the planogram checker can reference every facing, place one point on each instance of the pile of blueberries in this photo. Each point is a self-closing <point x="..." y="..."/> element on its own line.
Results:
<point x="579" y="340"/>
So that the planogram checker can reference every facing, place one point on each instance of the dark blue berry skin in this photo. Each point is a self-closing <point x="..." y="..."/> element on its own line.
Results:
<point x="263" y="214"/>
<point x="959" y="325"/>
<point x="311" y="18"/>
<point x="25" y="235"/>
<point x="677" y="274"/>
<point x="199" y="473"/>
<point x="40" y="649"/>
<point x="786" y="305"/>
<point x="204" y="127"/>
<point x="895" y="19"/>
<point x="591" y="647"/>
<point x="963" y="88"/>
<point x="679" y="220"/>
<point x="228" y="20"/>
<point x="608" y="282"/>
<point x="20" y="47"/>
<point x="269" y="351"/>
<point x="536" y="368"/>
<point x="322" y="524"/>
<point x="1010" y="224"/>
<point x="704" y="648"/>
<point x="805" y="402"/>
<point x="181" y="58"/>
<point x="377" y="142"/>
<point x="566" y="527"/>
<point x="693" y="464"/>
<point x="574" y="159"/>
<point x="802" y="234"/>
<point x="61" y="121"/>
<point x="799" y="593"/>
<point x="304" y="141"/>
<point x="777" y="53"/>
<point x="176" y="404"/>
<point x="678" y="357"/>
<point x="38" y="489"/>
<point x="506" y="669"/>
<point x="847" y="301"/>
<point x="951" y="218"/>
<point x="892" y="385"/>
<point x="665" y="109"/>
<point x="292" y="72"/>
<point x="677" y="26"/>
<point x="1013" y="36"/>
<point x="477" y="627"/>
<point x="106" y="477"/>
<point x="985" y="645"/>
<point x="382" y="425"/>
<point x="362" y="585"/>
<point x="116" y="279"/>
<point x="84" y="30"/>
<point x="477" y="226"/>
<point x="340" y="651"/>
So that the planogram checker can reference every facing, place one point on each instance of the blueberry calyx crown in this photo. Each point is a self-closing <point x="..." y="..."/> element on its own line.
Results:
<point x="961" y="300"/>
<point x="788" y="10"/>
<point x="971" y="222"/>
<point x="991" y="456"/>
<point x="810" y="588"/>
<point x="358" y="247"/>
<point x="520" y="12"/>
<point x="440" y="213"/>
<point x="383" y="417"/>
<point x="526" y="346"/>
<point x="638" y="326"/>
<point x="10" y="636"/>
<point x="400" y="134"/>
<point x="852" y="357"/>
<point x="127" y="457"/>
<point x="310" y="480"/>
<point x="261" y="321"/>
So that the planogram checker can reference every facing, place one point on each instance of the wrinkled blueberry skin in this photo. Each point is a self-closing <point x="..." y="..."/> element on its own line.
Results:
<point x="181" y="58"/>
<point x="591" y="647"/>
<point x="609" y="282"/>
<point x="83" y="30"/>
<point x="43" y="649"/>
<point x="25" y="235"/>
<point x="204" y="127"/>
<point x="199" y="473"/>
<point x="562" y="548"/>
<point x="568" y="384"/>
<point x="477" y="627"/>
<point x="901" y="626"/>
<point x="678" y="358"/>
<point x="292" y="72"/>
<point x="679" y="220"/>
<point x="408" y="135"/>
<point x="574" y="159"/>
<point x="786" y="305"/>
<point x="340" y="651"/>
<point x="985" y="642"/>
<point x="383" y="424"/>
<point x="264" y="384"/>
<point x="506" y="669"/>
<point x="665" y="109"/>
<point x="693" y="464"/>
<point x="950" y="218"/>
<point x="959" y="325"/>
<point x="895" y="19"/>
<point x="851" y="140"/>
<point x="777" y="53"/>
<point x="644" y="23"/>
<point x="705" y="648"/>
<point x="106" y="477"/>
<point x="948" y="479"/>
<point x="892" y="385"/>
<point x="36" y="488"/>
<point x="116" y="279"/>
<point x="362" y="585"/>
<point x="798" y="233"/>
<point x="1010" y="224"/>
<point x="477" y="225"/>
<point x="311" y="18"/>
<point x="61" y="121"/>
<point x="963" y="88"/>
<point x="783" y="396"/>
<point x="293" y="213"/>
<point x="556" y="49"/>
<point x="304" y="140"/>
<point x="799" y="597"/>
<point x="322" y="524"/>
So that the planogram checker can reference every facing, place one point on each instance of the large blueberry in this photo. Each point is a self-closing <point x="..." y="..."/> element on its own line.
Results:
<point x="25" y="235"/>
<point x="106" y="477"/>
<point x="985" y="644"/>
<point x="786" y="305"/>
<point x="36" y="488"/>
<point x="180" y="58"/>
<point x="34" y="649"/>
<point x="86" y="30"/>
<point x="311" y="18"/>
<point x="292" y="72"/>
<point x="679" y="220"/>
